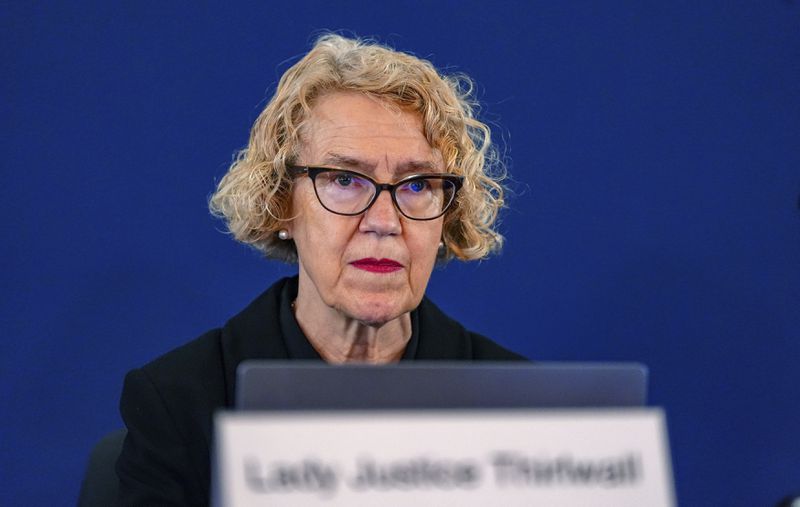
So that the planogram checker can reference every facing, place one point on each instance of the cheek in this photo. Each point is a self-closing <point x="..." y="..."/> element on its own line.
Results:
<point x="425" y="247"/>
<point x="304" y="226"/>
<point x="306" y="222"/>
<point x="319" y="234"/>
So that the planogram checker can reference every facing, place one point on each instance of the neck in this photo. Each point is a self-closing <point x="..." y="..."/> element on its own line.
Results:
<point x="339" y="338"/>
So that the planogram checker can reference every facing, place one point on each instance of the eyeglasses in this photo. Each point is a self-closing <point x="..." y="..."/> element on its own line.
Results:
<point x="418" y="197"/>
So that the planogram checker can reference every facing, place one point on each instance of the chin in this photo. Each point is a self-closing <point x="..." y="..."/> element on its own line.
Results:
<point x="375" y="312"/>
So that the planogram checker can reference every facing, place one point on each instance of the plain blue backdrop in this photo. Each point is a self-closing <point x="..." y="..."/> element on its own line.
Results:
<point x="655" y="155"/>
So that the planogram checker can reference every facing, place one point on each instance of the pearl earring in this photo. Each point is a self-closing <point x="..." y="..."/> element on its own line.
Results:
<point x="283" y="234"/>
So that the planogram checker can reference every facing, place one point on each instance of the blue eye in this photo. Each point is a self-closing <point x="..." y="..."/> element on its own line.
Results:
<point x="417" y="186"/>
<point x="343" y="179"/>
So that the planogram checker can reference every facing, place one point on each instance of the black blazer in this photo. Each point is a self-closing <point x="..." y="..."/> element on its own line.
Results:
<point x="168" y="404"/>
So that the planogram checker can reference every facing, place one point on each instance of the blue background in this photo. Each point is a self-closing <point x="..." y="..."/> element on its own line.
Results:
<point x="655" y="152"/>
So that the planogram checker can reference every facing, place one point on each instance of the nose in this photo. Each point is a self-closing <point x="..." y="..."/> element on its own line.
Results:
<point x="382" y="217"/>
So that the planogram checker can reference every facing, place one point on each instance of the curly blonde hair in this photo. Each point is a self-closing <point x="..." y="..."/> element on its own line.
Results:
<point x="254" y="197"/>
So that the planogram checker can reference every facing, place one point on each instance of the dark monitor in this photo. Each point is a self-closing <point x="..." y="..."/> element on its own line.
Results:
<point x="271" y="385"/>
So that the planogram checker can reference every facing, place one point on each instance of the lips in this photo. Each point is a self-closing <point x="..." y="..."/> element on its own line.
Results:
<point x="377" y="265"/>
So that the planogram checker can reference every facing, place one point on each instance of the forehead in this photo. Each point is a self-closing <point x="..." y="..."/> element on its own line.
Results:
<point x="353" y="129"/>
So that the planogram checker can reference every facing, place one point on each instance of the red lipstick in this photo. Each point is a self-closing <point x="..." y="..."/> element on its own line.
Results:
<point x="377" y="265"/>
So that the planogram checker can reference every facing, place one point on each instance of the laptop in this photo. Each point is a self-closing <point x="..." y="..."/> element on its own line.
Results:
<point x="296" y="385"/>
<point x="268" y="387"/>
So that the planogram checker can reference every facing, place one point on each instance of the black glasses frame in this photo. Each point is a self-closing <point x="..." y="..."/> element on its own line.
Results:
<point x="312" y="172"/>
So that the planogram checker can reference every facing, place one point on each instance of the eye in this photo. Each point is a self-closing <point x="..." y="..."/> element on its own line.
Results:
<point x="417" y="186"/>
<point x="343" y="179"/>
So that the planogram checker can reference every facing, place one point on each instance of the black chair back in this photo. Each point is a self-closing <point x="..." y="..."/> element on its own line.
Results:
<point x="100" y="484"/>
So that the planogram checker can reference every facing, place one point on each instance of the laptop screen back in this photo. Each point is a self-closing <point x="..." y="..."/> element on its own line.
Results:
<point x="271" y="385"/>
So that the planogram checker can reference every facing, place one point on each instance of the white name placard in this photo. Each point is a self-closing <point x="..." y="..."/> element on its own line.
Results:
<point x="465" y="458"/>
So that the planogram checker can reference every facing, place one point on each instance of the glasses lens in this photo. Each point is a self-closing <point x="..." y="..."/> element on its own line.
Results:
<point x="343" y="191"/>
<point x="425" y="198"/>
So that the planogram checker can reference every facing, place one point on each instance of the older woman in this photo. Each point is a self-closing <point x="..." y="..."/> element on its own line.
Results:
<point x="365" y="168"/>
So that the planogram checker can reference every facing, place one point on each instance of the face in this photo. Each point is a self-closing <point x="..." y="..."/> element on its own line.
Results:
<point x="337" y="254"/>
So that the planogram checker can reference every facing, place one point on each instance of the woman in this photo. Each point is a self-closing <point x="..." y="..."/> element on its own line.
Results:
<point x="366" y="168"/>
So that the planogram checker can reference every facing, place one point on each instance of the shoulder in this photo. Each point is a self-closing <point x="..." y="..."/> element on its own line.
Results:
<point x="201" y="357"/>
<point x="198" y="377"/>
<point x="484" y="349"/>
<point x="442" y="337"/>
<point x="208" y="363"/>
<point x="178" y="390"/>
<point x="168" y="405"/>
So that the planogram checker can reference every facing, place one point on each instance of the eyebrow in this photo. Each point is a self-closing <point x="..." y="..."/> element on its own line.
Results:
<point x="408" y="167"/>
<point x="346" y="162"/>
